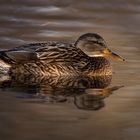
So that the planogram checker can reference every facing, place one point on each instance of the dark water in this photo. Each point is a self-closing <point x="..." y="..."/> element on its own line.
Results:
<point x="70" y="108"/>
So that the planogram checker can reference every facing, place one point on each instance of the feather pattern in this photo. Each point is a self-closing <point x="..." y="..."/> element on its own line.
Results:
<point x="53" y="58"/>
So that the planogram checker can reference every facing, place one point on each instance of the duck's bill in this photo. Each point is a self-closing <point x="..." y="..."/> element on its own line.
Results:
<point x="116" y="57"/>
<point x="113" y="55"/>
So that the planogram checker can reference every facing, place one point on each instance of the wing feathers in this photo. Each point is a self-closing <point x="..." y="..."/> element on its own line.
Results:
<point x="48" y="52"/>
<point x="21" y="56"/>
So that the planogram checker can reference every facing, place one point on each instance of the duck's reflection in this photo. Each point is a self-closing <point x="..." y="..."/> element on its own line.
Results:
<point x="86" y="93"/>
<point x="93" y="99"/>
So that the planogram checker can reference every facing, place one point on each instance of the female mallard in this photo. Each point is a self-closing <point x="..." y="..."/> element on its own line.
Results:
<point x="59" y="59"/>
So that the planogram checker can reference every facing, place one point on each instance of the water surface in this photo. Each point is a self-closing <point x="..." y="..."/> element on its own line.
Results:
<point x="32" y="113"/>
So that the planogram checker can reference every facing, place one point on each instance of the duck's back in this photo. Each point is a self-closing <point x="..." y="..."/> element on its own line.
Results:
<point x="49" y="58"/>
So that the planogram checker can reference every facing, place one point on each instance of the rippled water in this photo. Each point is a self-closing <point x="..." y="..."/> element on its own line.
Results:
<point x="32" y="113"/>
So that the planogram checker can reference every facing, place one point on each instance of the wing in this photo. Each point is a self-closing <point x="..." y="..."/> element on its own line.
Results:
<point x="34" y="46"/>
<point x="61" y="54"/>
<point x="49" y="52"/>
<point x="21" y="54"/>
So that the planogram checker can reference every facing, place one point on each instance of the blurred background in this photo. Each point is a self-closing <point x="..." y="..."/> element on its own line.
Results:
<point x="118" y="22"/>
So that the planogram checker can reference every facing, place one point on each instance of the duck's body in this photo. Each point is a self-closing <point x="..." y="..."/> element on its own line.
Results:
<point x="53" y="58"/>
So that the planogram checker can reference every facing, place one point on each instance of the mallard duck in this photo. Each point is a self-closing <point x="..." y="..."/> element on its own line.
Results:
<point x="60" y="59"/>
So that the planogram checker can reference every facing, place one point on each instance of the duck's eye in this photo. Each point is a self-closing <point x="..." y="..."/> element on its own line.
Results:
<point x="96" y="42"/>
<point x="99" y="42"/>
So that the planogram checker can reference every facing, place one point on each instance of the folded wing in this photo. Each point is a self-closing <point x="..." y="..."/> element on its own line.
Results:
<point x="49" y="52"/>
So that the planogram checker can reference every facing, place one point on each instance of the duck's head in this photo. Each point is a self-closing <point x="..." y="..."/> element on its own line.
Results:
<point x="95" y="44"/>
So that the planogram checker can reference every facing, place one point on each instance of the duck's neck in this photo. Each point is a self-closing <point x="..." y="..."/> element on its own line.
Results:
<point x="99" y="66"/>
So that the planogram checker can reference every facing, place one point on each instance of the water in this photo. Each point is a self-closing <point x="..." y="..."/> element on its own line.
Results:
<point x="48" y="109"/>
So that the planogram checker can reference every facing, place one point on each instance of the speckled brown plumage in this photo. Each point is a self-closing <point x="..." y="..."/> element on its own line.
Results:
<point x="53" y="58"/>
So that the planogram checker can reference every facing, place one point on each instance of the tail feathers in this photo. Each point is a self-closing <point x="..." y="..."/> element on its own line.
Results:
<point x="5" y="58"/>
<point x="4" y="63"/>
